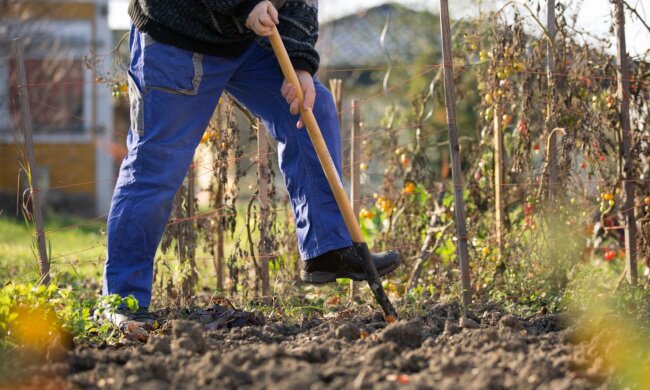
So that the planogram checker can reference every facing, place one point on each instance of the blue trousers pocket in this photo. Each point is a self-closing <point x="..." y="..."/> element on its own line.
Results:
<point x="171" y="69"/>
<point x="137" y="106"/>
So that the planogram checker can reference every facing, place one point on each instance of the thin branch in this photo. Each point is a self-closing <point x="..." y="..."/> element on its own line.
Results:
<point x="635" y="12"/>
<point x="532" y="15"/>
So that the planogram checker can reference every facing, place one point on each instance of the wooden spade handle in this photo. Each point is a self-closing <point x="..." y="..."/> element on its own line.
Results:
<point x="334" y="181"/>
<point x="316" y="137"/>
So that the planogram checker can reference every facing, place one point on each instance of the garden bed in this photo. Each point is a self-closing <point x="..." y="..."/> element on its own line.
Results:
<point x="437" y="348"/>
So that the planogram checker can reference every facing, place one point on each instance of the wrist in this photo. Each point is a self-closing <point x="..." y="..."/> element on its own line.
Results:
<point x="303" y="65"/>
<point x="245" y="8"/>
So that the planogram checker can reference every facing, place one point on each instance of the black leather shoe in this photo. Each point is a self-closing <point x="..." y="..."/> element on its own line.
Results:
<point x="346" y="263"/>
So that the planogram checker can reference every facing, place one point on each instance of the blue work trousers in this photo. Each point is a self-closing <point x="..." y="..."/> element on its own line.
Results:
<point x="173" y="93"/>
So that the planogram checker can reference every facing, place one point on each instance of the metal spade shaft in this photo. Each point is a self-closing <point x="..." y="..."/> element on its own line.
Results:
<point x="332" y="178"/>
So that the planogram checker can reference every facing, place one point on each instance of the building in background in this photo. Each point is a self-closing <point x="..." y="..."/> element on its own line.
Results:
<point x="72" y="113"/>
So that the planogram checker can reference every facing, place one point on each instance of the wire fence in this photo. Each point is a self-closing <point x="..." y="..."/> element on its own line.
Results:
<point x="75" y="258"/>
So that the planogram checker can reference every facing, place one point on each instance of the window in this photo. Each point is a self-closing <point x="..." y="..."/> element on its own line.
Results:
<point x="56" y="94"/>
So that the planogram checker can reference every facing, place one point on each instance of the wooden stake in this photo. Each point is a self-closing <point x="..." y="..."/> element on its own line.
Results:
<point x="498" y="177"/>
<point x="23" y="93"/>
<point x="454" y="149"/>
<point x="337" y="95"/>
<point x="263" y="196"/>
<point x="355" y="170"/>
<point x="550" y="75"/>
<point x="220" y="232"/>
<point x="191" y="182"/>
<point x="336" y="88"/>
<point x="219" y="250"/>
<point x="290" y="248"/>
<point x="626" y="138"/>
<point x="333" y="179"/>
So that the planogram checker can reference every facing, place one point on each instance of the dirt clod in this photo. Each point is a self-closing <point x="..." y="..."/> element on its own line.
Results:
<point x="408" y="334"/>
<point x="450" y="328"/>
<point x="158" y="344"/>
<point x="349" y="331"/>
<point x="188" y="337"/>
<point x="468" y="323"/>
<point x="510" y="321"/>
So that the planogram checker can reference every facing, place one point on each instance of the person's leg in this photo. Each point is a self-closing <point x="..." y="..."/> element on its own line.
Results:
<point x="172" y="100"/>
<point x="319" y="224"/>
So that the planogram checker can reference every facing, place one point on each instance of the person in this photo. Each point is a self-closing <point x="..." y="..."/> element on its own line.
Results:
<point x="184" y="54"/>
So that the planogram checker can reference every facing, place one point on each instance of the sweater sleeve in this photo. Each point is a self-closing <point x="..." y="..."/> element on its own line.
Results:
<point x="299" y="30"/>
<point x="237" y="8"/>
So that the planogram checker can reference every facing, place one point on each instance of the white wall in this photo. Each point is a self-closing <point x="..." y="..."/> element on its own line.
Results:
<point x="104" y="164"/>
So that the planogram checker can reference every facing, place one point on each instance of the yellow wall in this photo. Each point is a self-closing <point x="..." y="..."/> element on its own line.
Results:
<point x="67" y="164"/>
<point x="58" y="10"/>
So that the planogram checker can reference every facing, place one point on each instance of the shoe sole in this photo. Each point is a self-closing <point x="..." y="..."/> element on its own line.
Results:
<point x="319" y="277"/>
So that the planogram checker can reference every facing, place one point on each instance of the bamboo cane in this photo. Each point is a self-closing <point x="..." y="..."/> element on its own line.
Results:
<point x="333" y="179"/>
<point x="627" y="146"/>
<point x="550" y="122"/>
<point x="456" y="174"/>
<point x="355" y="171"/>
<point x="263" y="196"/>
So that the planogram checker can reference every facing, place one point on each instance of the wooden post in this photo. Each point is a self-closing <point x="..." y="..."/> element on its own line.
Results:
<point x="289" y="247"/>
<point x="219" y="250"/>
<point x="191" y="182"/>
<point x="626" y="138"/>
<point x="498" y="177"/>
<point x="43" y="262"/>
<point x="219" y="204"/>
<point x="550" y="75"/>
<point x="263" y="196"/>
<point x="355" y="171"/>
<point x="454" y="149"/>
<point x="337" y="93"/>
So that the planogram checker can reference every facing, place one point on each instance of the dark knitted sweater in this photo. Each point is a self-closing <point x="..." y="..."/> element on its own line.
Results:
<point x="217" y="27"/>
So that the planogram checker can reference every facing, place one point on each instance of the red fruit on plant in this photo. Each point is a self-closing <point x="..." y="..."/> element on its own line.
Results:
<point x="601" y="157"/>
<point x="522" y="127"/>
<point x="529" y="209"/>
<point x="583" y="165"/>
<point x="610" y="255"/>
<point x="404" y="160"/>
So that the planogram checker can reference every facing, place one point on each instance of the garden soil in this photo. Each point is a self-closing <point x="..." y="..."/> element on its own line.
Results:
<point x="438" y="349"/>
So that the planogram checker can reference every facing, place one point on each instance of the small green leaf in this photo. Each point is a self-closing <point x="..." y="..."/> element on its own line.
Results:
<point x="131" y="303"/>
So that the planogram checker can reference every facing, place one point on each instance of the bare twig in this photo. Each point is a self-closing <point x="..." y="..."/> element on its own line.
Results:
<point x="427" y="248"/>
<point x="251" y="244"/>
<point x="636" y="13"/>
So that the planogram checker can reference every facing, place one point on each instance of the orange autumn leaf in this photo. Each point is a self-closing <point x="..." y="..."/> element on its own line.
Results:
<point x="403" y="379"/>
<point x="399" y="378"/>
